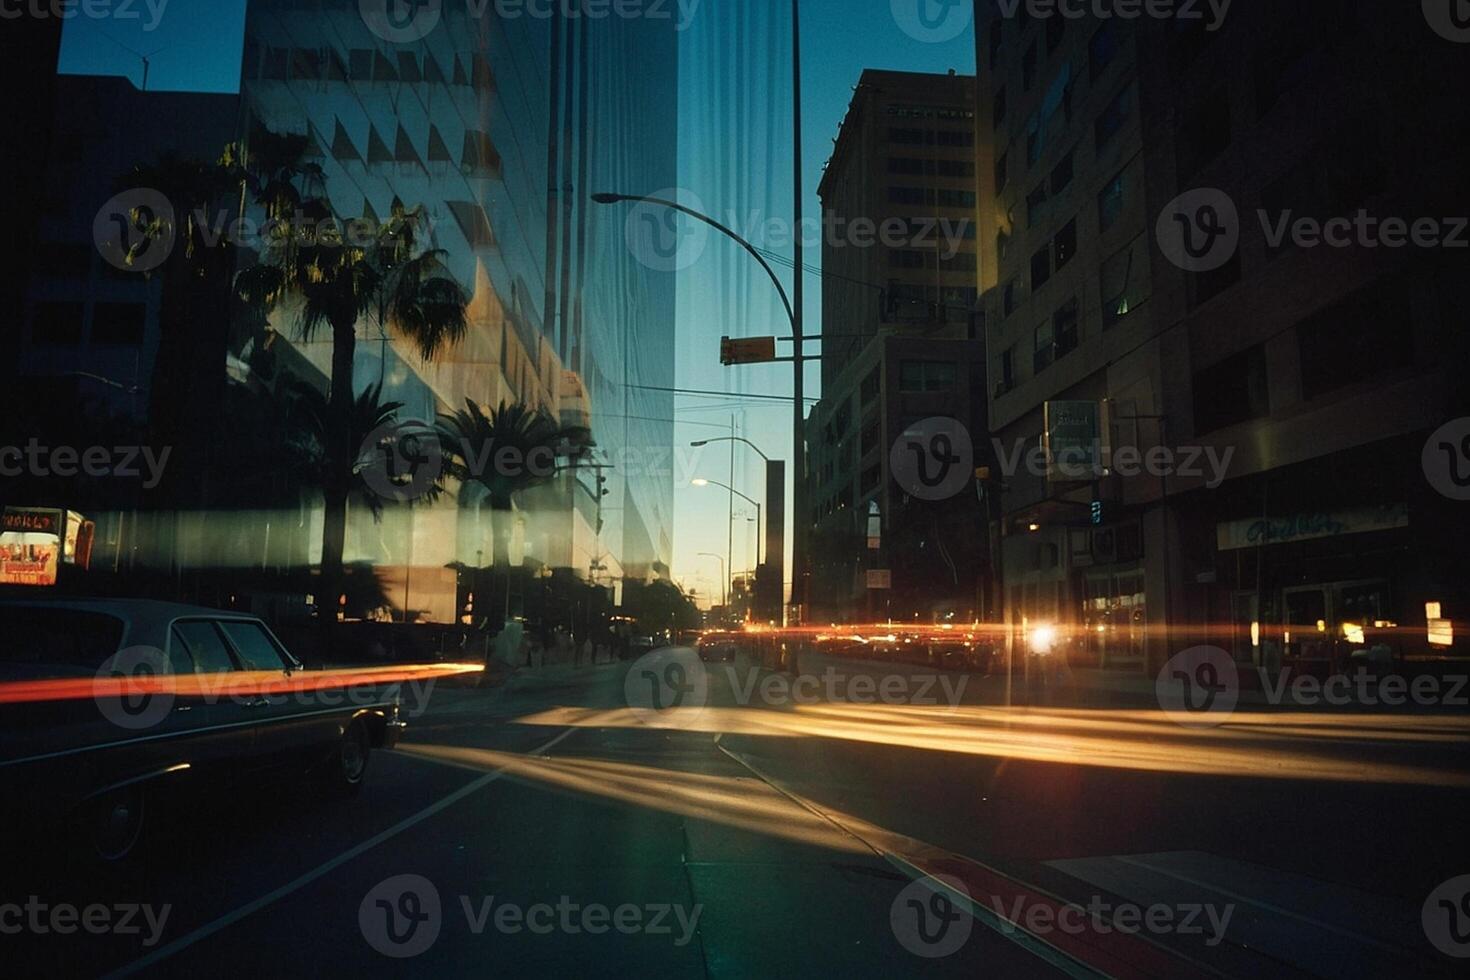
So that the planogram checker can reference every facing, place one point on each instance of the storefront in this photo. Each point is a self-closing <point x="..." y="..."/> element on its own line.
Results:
<point x="40" y="546"/>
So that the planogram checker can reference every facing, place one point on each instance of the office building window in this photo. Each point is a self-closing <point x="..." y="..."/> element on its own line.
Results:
<point x="1064" y="328"/>
<point x="1110" y="203"/>
<point x="1360" y="338"/>
<point x="1044" y="349"/>
<point x="920" y="376"/>
<point x="1064" y="246"/>
<point x="998" y="109"/>
<point x="1040" y="267"/>
<point x="1102" y="49"/>
<point x="1061" y="175"/>
<point x="1008" y="368"/>
<point x="1114" y="117"/>
<point x="1036" y="205"/>
<point x="1232" y="391"/>
<point x="1121" y="283"/>
<point x="1000" y="173"/>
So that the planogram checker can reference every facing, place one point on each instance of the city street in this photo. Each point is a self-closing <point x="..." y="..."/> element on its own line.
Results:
<point x="556" y="827"/>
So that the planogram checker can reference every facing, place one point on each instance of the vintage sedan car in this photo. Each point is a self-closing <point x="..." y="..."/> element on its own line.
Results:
<point x="718" y="647"/>
<point x="109" y="705"/>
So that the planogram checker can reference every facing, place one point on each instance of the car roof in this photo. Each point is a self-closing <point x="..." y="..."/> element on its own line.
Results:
<point x="143" y="617"/>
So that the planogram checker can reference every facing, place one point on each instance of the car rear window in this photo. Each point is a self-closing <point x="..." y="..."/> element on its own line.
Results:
<point x="37" y="641"/>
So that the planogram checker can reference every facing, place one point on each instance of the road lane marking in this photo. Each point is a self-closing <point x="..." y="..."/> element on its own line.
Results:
<point x="1034" y="945"/>
<point x="296" y="884"/>
<point x="1112" y="955"/>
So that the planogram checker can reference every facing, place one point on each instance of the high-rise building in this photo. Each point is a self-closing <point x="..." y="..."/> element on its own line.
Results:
<point x="900" y="346"/>
<point x="1259" y="400"/>
<point x="499" y="128"/>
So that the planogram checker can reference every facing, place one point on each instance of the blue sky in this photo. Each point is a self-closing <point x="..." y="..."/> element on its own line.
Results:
<point x="195" y="45"/>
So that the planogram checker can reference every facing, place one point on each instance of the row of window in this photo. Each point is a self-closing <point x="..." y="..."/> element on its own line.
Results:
<point x="1109" y="122"/>
<point x="943" y="197"/>
<point x="364" y="65"/>
<point x="1358" y="339"/>
<point x="911" y="258"/>
<point x="905" y="136"/>
<point x="478" y="156"/>
<point x="926" y="167"/>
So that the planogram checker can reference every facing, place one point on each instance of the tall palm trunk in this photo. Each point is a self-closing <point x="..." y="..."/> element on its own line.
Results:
<point x="340" y="454"/>
<point x="501" y="513"/>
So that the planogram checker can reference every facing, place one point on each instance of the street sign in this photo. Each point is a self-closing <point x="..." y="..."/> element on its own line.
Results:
<point x="747" y="350"/>
<point x="1073" y="440"/>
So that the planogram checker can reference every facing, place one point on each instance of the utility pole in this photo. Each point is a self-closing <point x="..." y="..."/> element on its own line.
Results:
<point x="798" y="435"/>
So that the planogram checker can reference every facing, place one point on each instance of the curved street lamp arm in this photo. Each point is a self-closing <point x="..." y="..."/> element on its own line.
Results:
<point x="754" y="253"/>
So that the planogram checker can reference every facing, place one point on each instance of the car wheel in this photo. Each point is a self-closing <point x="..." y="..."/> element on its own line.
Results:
<point x="114" y="822"/>
<point x="345" y="771"/>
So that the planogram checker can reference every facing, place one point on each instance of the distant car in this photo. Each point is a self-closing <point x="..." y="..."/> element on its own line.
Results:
<point x="717" y="647"/>
<point x="74" y="749"/>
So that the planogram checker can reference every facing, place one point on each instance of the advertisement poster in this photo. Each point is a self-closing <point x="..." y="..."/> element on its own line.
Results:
<point x="30" y="546"/>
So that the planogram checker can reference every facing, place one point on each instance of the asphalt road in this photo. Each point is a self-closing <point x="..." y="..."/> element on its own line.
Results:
<point x="548" y="828"/>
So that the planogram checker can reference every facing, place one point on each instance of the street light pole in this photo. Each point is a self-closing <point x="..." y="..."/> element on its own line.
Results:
<point x="798" y="382"/>
<point x="793" y="314"/>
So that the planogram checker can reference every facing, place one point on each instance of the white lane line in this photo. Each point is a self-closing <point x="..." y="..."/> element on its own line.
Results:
<point x="1060" y="960"/>
<point x="271" y="897"/>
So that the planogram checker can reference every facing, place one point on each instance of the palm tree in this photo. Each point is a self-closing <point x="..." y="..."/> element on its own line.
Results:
<point x="389" y="280"/>
<point x="309" y="435"/>
<point x="473" y="441"/>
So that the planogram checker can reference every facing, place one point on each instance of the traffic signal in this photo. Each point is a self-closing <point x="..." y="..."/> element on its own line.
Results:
<point x="747" y="350"/>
